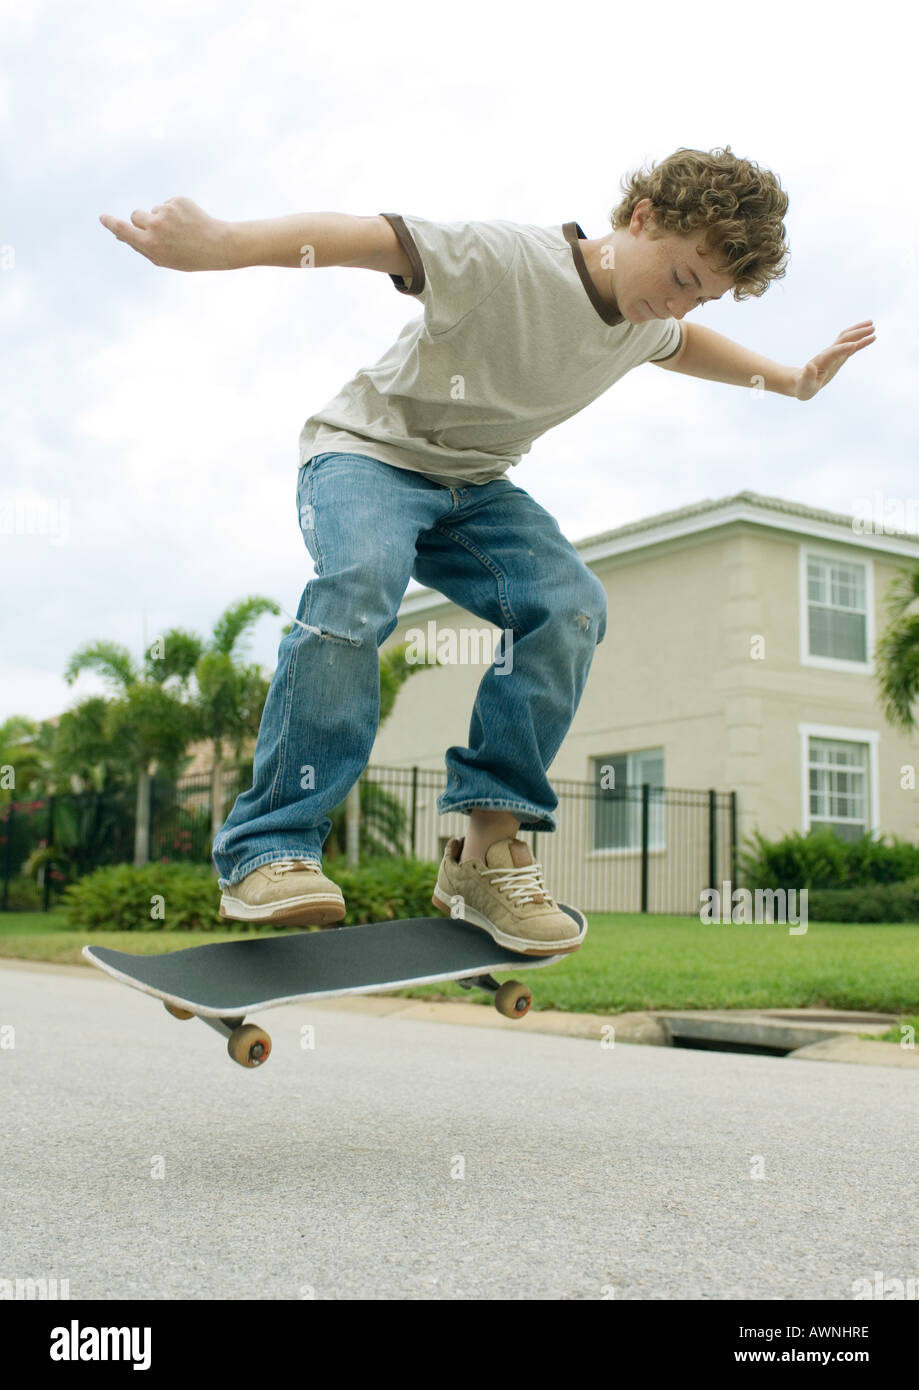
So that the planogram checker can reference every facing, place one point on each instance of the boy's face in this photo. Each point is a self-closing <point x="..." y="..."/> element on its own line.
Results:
<point x="657" y="275"/>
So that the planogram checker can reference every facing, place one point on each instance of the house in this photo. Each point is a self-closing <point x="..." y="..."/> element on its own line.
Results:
<point x="738" y="656"/>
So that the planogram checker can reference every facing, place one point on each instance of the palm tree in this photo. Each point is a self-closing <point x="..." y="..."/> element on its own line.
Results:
<point x="82" y="756"/>
<point x="146" y="724"/>
<point x="158" y="712"/>
<point x="20" y="758"/>
<point x="231" y="697"/>
<point x="394" y="672"/>
<point x="897" y="651"/>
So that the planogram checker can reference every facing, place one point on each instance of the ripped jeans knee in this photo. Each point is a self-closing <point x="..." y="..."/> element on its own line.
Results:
<point x="329" y="634"/>
<point x="589" y="610"/>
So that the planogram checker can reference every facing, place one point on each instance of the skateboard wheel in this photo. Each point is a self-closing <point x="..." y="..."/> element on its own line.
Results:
<point x="248" y="1045"/>
<point x="176" y="1011"/>
<point x="513" y="999"/>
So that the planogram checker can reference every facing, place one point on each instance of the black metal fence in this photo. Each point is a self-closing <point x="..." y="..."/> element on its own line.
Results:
<point x="87" y="830"/>
<point x="632" y="849"/>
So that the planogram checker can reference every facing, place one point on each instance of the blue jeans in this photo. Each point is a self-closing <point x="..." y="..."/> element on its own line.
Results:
<point x="490" y="549"/>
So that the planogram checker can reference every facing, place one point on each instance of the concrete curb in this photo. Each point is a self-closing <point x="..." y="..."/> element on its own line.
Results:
<point x="820" y="1041"/>
<point x="834" y="1043"/>
<point x="632" y="1027"/>
<point x="817" y="1035"/>
<point x="872" y="1054"/>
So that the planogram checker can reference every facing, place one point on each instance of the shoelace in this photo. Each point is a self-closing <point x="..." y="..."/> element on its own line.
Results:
<point x="283" y="866"/>
<point x="524" y="884"/>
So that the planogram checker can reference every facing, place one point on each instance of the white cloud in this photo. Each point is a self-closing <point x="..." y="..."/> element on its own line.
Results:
<point x="164" y="409"/>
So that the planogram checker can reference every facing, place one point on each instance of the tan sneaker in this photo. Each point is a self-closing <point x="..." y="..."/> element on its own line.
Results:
<point x="505" y="895"/>
<point x="293" y="891"/>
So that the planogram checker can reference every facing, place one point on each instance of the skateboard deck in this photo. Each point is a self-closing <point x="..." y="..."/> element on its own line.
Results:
<point x="222" y="982"/>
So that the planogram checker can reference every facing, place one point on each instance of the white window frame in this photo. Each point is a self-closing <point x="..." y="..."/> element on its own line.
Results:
<point x="832" y="663"/>
<point x="619" y="851"/>
<point x="845" y="735"/>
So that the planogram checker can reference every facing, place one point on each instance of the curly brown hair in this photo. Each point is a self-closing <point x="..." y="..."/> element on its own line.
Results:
<point x="739" y="205"/>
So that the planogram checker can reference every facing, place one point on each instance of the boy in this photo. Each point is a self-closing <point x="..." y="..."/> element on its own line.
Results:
<point x="403" y="474"/>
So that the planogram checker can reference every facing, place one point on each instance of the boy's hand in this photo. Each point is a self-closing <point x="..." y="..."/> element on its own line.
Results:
<point x="822" y="368"/>
<point x="176" y="234"/>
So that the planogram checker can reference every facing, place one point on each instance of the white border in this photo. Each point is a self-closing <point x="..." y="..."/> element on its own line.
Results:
<point x="845" y="735"/>
<point x="832" y="663"/>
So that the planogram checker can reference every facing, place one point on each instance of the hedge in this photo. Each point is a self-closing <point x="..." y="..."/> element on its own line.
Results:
<point x="184" y="897"/>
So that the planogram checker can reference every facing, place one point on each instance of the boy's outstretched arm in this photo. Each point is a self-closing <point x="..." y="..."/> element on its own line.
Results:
<point x="712" y="357"/>
<point x="179" y="235"/>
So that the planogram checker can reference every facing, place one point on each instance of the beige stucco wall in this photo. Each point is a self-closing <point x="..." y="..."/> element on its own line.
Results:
<point x="676" y="671"/>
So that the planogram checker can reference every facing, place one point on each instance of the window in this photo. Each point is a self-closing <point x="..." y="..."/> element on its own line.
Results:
<point x="617" y="807"/>
<point x="838" y="786"/>
<point x="837" y="609"/>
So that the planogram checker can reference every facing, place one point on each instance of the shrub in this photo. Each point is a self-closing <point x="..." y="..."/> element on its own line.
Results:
<point x="873" y="861"/>
<point x="821" y="860"/>
<point x="386" y="889"/>
<point x="24" y="894"/>
<point x="874" y="902"/>
<point x="119" y="897"/>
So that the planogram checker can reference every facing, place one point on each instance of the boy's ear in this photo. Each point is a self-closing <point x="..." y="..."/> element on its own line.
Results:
<point x="644" y="216"/>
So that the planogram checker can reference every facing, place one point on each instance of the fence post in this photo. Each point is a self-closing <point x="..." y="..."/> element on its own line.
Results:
<point x="733" y="842"/>
<point x="87" y="867"/>
<point x="645" y="799"/>
<point x="414" y="807"/>
<point x="353" y="825"/>
<point x="712" y="840"/>
<point x="8" y="858"/>
<point x="46" y="888"/>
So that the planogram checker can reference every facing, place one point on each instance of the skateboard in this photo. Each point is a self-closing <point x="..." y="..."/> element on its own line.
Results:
<point x="224" y="981"/>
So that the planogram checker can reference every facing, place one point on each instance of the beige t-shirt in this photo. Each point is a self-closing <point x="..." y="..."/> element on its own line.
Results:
<point x="514" y="339"/>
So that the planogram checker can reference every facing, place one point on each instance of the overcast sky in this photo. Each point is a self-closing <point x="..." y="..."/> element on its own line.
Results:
<point x="149" y="419"/>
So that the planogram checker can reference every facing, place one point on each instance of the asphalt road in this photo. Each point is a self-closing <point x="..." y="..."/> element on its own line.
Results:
<point x="399" y="1159"/>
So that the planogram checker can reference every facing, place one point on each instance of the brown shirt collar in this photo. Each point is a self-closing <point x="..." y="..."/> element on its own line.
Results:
<point x="572" y="232"/>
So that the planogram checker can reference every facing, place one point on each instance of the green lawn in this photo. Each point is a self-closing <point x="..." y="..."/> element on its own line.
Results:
<point x="629" y="962"/>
